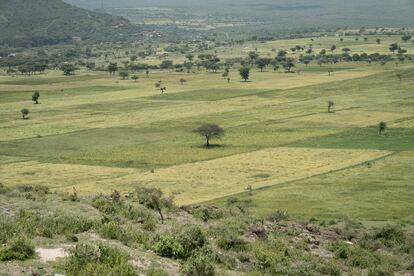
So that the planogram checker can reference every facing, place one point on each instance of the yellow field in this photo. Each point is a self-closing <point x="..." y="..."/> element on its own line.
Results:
<point x="194" y="182"/>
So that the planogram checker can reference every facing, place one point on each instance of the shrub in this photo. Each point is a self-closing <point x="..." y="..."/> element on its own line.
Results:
<point x="8" y="228"/>
<point x="201" y="262"/>
<point x="278" y="216"/>
<point x="390" y="236"/>
<point x="37" y="189"/>
<point x="19" y="248"/>
<point x="206" y="213"/>
<point x="3" y="189"/>
<point x="35" y="223"/>
<point x="168" y="247"/>
<point x="230" y="241"/>
<point x="356" y="256"/>
<point x="105" y="205"/>
<point x="98" y="259"/>
<point x="191" y="239"/>
<point x="111" y="230"/>
<point x="156" y="271"/>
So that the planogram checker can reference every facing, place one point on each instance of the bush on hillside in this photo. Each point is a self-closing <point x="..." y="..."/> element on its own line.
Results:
<point x="98" y="259"/>
<point x="18" y="248"/>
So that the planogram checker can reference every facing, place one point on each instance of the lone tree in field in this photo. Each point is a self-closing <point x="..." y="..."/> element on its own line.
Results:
<point x="245" y="73"/>
<point x="124" y="74"/>
<point x="330" y="106"/>
<point x="333" y="48"/>
<point x="152" y="198"/>
<point x="381" y="127"/>
<point x="35" y="97"/>
<point x="209" y="131"/>
<point x="163" y="89"/>
<point x="378" y="41"/>
<point x="182" y="81"/>
<point x="135" y="78"/>
<point x="25" y="112"/>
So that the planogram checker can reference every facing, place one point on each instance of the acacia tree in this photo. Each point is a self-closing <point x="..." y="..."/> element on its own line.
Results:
<point x="330" y="106"/>
<point x="124" y="74"/>
<point x="35" y="97"/>
<point x="135" y="78"/>
<point x="406" y="37"/>
<point x="24" y="112"/>
<point x="381" y="127"/>
<point x="289" y="64"/>
<point x="394" y="47"/>
<point x="262" y="63"/>
<point x="245" y="73"/>
<point x="209" y="131"/>
<point x="112" y="67"/>
<point x="68" y="69"/>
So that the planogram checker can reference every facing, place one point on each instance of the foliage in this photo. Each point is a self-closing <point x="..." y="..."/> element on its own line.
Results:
<point x="18" y="248"/>
<point x="98" y="259"/>
<point x="245" y="73"/>
<point x="201" y="262"/>
<point x="168" y="246"/>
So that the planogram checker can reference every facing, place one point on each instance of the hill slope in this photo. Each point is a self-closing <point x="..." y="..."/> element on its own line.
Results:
<point x="42" y="22"/>
<point x="299" y="13"/>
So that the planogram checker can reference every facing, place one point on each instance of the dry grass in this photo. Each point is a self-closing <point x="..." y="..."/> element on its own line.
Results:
<point x="202" y="181"/>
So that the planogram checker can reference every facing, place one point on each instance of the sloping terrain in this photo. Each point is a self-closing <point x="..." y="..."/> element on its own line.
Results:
<point x="43" y="22"/>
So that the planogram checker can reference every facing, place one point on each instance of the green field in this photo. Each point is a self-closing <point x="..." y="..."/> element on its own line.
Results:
<point x="98" y="133"/>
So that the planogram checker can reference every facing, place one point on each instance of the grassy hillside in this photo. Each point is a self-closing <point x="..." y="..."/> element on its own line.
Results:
<point x="33" y="23"/>
<point x="44" y="233"/>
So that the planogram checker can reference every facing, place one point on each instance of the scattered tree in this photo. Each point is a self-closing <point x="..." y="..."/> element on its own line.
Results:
<point x="190" y="57"/>
<point x="124" y="74"/>
<point x="112" y="68"/>
<point x="245" y="73"/>
<point x="406" y="37"/>
<point x="25" y="112"/>
<point x="394" y="47"/>
<point x="330" y="106"/>
<point x="163" y="89"/>
<point x="68" y="69"/>
<point x="289" y="64"/>
<point x="135" y="78"/>
<point x="209" y="131"/>
<point x="182" y="81"/>
<point x="262" y="63"/>
<point x="35" y="97"/>
<point x="381" y="127"/>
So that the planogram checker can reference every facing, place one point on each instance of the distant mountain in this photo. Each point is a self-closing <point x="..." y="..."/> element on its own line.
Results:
<point x="297" y="13"/>
<point x="46" y="22"/>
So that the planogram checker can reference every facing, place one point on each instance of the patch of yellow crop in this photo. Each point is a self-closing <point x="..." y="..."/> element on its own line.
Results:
<point x="62" y="177"/>
<point x="202" y="181"/>
<point x="192" y="182"/>
<point x="349" y="118"/>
